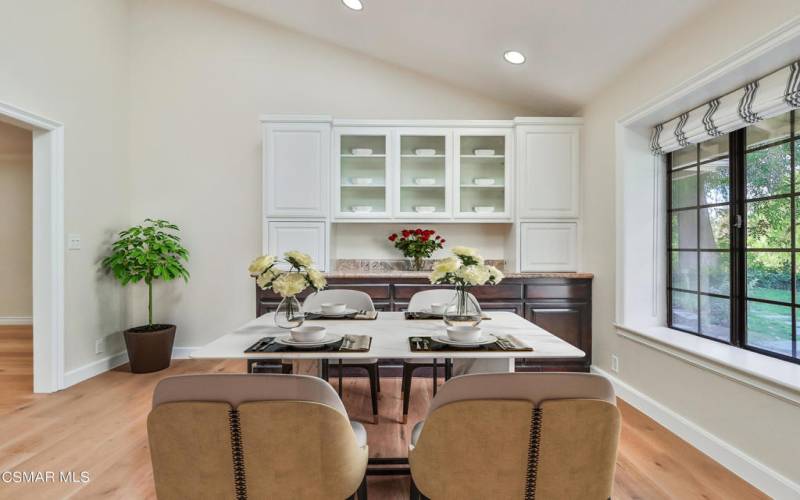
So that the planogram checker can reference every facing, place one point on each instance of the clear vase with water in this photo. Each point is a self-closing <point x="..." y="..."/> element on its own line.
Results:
<point x="289" y="314"/>
<point x="463" y="310"/>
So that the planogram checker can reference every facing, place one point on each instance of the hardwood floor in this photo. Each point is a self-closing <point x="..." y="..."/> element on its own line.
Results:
<point x="99" y="426"/>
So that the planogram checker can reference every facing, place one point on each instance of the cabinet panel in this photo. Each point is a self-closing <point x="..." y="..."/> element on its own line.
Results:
<point x="570" y="322"/>
<point x="363" y="175"/>
<point x="296" y="169"/>
<point x="548" y="246"/>
<point x="423" y="173"/>
<point x="307" y="237"/>
<point x="548" y="169"/>
<point x="482" y="173"/>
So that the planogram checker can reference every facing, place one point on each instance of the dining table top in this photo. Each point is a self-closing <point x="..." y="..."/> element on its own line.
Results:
<point x="390" y="333"/>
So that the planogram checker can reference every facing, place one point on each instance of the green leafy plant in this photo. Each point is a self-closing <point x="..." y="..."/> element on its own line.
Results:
<point x="148" y="252"/>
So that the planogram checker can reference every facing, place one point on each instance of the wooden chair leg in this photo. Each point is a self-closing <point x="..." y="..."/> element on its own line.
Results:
<point x="415" y="494"/>
<point x="340" y="378"/>
<point x="448" y="369"/>
<point x="408" y="372"/>
<point x="286" y="368"/>
<point x="435" y="375"/>
<point x="378" y="377"/>
<point x="362" y="490"/>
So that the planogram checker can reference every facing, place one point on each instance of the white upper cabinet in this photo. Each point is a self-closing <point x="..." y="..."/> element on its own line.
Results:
<point x="362" y="175"/>
<point x="548" y="171"/>
<point x="296" y="169"/>
<point x="548" y="247"/>
<point x="423" y="173"/>
<point x="307" y="237"/>
<point x="483" y="173"/>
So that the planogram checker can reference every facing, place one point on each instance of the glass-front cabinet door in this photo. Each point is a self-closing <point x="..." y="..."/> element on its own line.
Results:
<point x="423" y="174"/>
<point x="482" y="173"/>
<point x="362" y="179"/>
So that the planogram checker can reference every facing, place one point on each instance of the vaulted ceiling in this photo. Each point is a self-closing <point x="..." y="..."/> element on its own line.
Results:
<point x="574" y="47"/>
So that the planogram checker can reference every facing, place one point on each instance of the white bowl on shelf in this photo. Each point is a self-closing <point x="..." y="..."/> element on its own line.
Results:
<point x="361" y="151"/>
<point x="483" y="209"/>
<point x="424" y="181"/>
<point x="361" y="181"/>
<point x="483" y="181"/>
<point x="425" y="152"/>
<point x="484" y="152"/>
<point x="464" y="333"/>
<point x="308" y="333"/>
<point x="361" y="209"/>
<point x="424" y="209"/>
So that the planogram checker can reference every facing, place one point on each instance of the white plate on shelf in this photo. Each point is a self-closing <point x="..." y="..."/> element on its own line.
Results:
<point x="361" y="151"/>
<point x="361" y="209"/>
<point x="361" y="181"/>
<point x="488" y="209"/>
<point x="424" y="209"/>
<point x="424" y="181"/>
<point x="424" y="152"/>
<point x="333" y="315"/>
<point x="329" y="338"/>
<point x="483" y="181"/>
<point x="485" y="339"/>
<point x="483" y="152"/>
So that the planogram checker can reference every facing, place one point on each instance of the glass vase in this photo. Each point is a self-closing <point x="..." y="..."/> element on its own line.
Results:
<point x="463" y="310"/>
<point x="415" y="263"/>
<point x="289" y="314"/>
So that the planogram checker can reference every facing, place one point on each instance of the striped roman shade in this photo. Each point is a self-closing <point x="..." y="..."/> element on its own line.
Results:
<point x="771" y="95"/>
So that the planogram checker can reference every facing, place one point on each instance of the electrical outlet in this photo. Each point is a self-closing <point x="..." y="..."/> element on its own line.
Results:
<point x="99" y="346"/>
<point x="74" y="241"/>
<point x="614" y="363"/>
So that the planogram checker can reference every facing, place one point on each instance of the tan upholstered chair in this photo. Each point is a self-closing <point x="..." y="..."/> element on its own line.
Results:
<point x="232" y="436"/>
<point x="536" y="436"/>
<point x="360" y="301"/>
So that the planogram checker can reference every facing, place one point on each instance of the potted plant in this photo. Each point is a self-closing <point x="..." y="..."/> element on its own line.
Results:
<point x="417" y="244"/>
<point x="464" y="269"/>
<point x="148" y="252"/>
<point x="300" y="275"/>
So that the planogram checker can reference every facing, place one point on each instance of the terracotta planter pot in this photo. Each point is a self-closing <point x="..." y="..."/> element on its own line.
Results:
<point x="149" y="348"/>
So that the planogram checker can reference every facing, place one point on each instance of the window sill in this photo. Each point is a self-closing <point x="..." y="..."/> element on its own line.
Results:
<point x="773" y="376"/>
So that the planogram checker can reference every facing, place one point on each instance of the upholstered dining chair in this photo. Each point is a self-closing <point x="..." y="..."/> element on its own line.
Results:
<point x="360" y="301"/>
<point x="421" y="301"/>
<point x="536" y="436"/>
<point x="234" y="436"/>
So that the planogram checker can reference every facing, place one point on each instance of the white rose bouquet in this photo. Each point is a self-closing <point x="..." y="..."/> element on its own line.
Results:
<point x="287" y="283"/>
<point x="464" y="270"/>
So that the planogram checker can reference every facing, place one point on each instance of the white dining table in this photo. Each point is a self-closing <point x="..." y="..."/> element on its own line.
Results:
<point x="390" y="333"/>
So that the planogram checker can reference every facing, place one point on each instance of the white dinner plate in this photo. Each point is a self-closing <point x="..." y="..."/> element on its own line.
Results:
<point x="329" y="338"/>
<point x="486" y="339"/>
<point x="346" y="312"/>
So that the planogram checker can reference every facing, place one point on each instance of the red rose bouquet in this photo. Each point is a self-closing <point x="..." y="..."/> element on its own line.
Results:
<point x="417" y="244"/>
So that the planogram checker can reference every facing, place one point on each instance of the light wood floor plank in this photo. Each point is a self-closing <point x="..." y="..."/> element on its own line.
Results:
<point x="99" y="426"/>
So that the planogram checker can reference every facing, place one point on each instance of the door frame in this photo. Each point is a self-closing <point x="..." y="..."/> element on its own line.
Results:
<point x="48" y="245"/>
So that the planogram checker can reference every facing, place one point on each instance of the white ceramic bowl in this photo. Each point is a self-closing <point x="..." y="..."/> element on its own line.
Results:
<point x="361" y="209"/>
<point x="464" y="333"/>
<point x="331" y="308"/>
<point x="483" y="209"/>
<point x="424" y="181"/>
<point x="483" y="181"/>
<point x="361" y="151"/>
<point x="361" y="181"/>
<point x="484" y="152"/>
<point x="308" y="333"/>
<point x="424" y="152"/>
<point x="438" y="308"/>
<point x="424" y="209"/>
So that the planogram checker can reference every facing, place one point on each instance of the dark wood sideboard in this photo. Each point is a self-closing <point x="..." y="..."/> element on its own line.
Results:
<point x="561" y="304"/>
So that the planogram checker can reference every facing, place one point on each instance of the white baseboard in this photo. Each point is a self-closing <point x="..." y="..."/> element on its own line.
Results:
<point x="751" y="470"/>
<point x="15" y="320"/>
<point x="94" y="368"/>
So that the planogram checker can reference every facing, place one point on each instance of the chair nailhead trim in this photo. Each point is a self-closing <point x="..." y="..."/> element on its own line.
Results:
<point x="533" y="454"/>
<point x="240" y="483"/>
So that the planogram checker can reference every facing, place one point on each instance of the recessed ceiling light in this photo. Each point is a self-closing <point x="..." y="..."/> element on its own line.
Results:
<point x="514" y="57"/>
<point x="353" y="4"/>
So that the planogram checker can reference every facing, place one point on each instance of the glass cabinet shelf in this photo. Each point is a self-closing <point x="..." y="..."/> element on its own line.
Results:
<point x="481" y="173"/>
<point x="423" y="174"/>
<point x="363" y="166"/>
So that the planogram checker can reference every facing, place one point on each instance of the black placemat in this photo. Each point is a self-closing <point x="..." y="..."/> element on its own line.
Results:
<point x="354" y="316"/>
<point x="429" y="344"/>
<point x="268" y="345"/>
<point x="427" y="315"/>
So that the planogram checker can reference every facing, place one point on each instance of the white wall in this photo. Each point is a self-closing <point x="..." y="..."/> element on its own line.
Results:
<point x="758" y="424"/>
<point x="16" y="222"/>
<point x="68" y="62"/>
<point x="200" y="76"/>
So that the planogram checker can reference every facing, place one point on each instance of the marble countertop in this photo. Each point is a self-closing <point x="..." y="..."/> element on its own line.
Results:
<point x="424" y="274"/>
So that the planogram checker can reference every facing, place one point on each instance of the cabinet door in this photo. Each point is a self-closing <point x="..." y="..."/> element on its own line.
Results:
<point x="296" y="169"/>
<point x="568" y="321"/>
<point x="549" y="246"/>
<point x="423" y="173"/>
<point x="307" y="237"/>
<point x="362" y="175"/>
<point x="482" y="173"/>
<point x="548" y="161"/>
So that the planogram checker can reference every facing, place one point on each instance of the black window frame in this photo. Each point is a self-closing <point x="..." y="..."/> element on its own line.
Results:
<point x="737" y="159"/>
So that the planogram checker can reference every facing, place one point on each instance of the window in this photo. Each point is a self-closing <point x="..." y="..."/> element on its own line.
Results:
<point x="733" y="249"/>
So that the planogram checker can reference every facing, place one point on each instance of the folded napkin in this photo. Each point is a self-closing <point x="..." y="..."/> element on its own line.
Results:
<point x="356" y="343"/>
<point x="368" y="315"/>
<point x="427" y="315"/>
